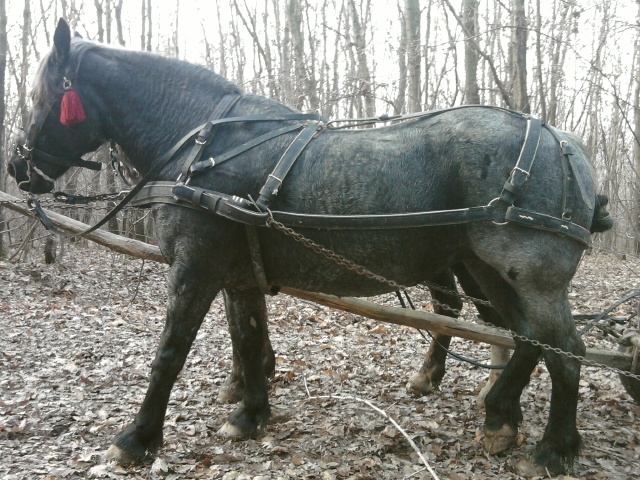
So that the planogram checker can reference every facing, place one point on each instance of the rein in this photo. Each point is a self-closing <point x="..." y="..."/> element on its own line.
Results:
<point x="203" y="135"/>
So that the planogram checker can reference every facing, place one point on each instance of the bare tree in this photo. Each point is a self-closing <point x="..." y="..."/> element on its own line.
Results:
<point x="118" y="15"/>
<point x="414" y="54"/>
<point x="469" y="17"/>
<point x="364" y="80"/>
<point x="3" y="160"/>
<point x="636" y="143"/>
<point x="399" y="103"/>
<point x="518" y="56"/>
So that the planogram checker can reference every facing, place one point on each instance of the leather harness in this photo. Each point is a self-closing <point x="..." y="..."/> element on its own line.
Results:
<point x="254" y="214"/>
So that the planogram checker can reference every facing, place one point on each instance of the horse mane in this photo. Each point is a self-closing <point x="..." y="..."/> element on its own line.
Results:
<point x="47" y="86"/>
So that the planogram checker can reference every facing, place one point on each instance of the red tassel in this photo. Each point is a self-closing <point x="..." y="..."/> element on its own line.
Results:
<point x="71" y="110"/>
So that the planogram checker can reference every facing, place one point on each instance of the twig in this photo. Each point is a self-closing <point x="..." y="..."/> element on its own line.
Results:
<point x="23" y="245"/>
<point x="133" y="299"/>
<point x="384" y="414"/>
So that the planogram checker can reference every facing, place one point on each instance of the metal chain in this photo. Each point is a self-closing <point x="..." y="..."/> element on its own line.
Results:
<point x="360" y="270"/>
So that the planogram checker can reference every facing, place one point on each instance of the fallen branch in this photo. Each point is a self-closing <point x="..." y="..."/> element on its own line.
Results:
<point x="384" y="414"/>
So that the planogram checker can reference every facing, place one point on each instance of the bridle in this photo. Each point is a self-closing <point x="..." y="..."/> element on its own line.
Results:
<point x="27" y="151"/>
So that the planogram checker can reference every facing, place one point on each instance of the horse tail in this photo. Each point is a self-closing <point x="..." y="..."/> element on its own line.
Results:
<point x="602" y="220"/>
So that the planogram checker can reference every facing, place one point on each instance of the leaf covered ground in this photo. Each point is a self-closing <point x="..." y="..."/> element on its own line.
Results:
<point x="77" y="339"/>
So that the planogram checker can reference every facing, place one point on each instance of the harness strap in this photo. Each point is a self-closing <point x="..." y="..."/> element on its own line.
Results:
<point x="275" y="178"/>
<point x="205" y="136"/>
<point x="239" y="210"/>
<point x="211" y="162"/>
<point x="256" y="261"/>
<point x="522" y="170"/>
<point x="548" y="223"/>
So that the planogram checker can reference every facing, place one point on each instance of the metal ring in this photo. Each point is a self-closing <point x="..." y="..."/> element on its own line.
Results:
<point x="500" y="224"/>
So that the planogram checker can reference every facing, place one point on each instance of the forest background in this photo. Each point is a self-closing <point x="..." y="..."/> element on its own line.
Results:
<point x="575" y="64"/>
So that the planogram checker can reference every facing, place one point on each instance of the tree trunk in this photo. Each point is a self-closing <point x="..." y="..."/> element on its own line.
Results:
<point x="469" y="17"/>
<point x="541" y="89"/>
<point x="99" y="14"/>
<point x="364" y="80"/>
<point x="518" y="57"/>
<point x="399" y="103"/>
<point x="24" y="62"/>
<point x="118" y="14"/>
<point x="3" y="160"/>
<point x="412" y="26"/>
<point x="636" y="143"/>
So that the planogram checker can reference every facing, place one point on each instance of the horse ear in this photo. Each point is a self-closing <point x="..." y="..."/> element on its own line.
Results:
<point x="62" y="40"/>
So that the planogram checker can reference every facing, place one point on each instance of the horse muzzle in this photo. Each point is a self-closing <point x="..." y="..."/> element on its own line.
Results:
<point x="27" y="180"/>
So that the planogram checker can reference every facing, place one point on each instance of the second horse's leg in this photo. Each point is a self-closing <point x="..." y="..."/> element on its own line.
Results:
<point x="233" y="389"/>
<point x="430" y="374"/>
<point x="248" y="310"/>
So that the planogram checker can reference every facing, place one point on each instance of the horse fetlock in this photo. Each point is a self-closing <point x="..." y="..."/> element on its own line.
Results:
<point x="497" y="441"/>
<point x="231" y="392"/>
<point x="243" y="423"/>
<point x="127" y="448"/>
<point x="557" y="452"/>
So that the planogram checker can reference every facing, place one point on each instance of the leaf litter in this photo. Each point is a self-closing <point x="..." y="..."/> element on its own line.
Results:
<point x="77" y="340"/>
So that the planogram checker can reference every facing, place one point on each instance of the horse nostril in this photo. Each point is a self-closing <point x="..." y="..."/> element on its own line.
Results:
<point x="11" y="170"/>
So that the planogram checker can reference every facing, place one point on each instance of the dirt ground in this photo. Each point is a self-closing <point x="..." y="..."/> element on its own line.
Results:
<point x="77" y="340"/>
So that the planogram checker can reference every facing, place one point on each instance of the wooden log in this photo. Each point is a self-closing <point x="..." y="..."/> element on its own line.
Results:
<point x="418" y="319"/>
<point x="110" y="240"/>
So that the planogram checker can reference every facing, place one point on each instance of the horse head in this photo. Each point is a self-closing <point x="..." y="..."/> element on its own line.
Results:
<point x="60" y="129"/>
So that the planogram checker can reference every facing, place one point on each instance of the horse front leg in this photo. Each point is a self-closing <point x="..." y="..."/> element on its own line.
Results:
<point x="247" y="308"/>
<point x="189" y="302"/>
<point x="233" y="389"/>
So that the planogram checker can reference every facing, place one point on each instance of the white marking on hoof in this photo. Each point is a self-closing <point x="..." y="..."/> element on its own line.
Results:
<point x="115" y="454"/>
<point x="529" y="469"/>
<point x="419" y="384"/>
<point x="230" y="431"/>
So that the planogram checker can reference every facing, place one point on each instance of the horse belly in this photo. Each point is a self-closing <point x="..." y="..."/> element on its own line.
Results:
<point x="407" y="257"/>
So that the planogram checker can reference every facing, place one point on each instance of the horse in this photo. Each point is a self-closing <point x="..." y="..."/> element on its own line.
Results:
<point x="473" y="159"/>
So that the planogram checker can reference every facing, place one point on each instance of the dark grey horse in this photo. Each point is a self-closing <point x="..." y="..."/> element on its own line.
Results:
<point x="454" y="160"/>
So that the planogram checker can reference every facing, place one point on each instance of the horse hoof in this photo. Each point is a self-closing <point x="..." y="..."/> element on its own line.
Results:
<point x="420" y="385"/>
<point x="497" y="441"/>
<point x="116" y="454"/>
<point x="232" y="431"/>
<point x="528" y="469"/>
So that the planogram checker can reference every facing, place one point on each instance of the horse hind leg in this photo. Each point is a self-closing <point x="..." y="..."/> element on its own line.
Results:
<point x="425" y="380"/>
<point x="247" y="309"/>
<point x="536" y="306"/>
<point x="233" y="389"/>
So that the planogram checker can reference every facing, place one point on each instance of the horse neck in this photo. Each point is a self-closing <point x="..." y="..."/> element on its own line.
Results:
<point x="147" y="103"/>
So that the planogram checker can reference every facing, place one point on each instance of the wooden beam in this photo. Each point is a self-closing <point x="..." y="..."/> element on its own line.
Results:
<point x="115" y="242"/>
